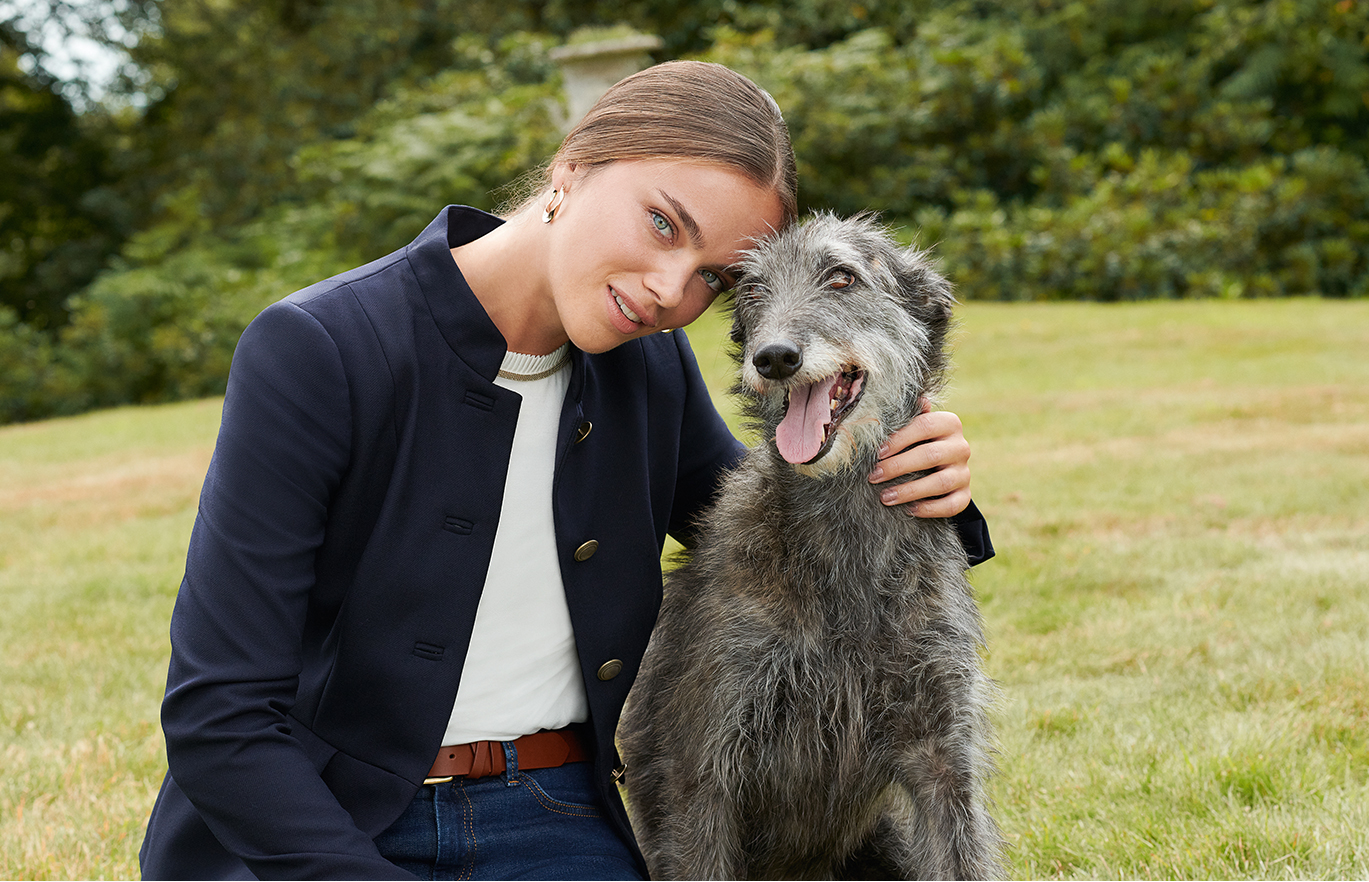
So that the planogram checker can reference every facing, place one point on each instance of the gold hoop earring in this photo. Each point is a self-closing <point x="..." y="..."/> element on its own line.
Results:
<point x="550" y="214"/>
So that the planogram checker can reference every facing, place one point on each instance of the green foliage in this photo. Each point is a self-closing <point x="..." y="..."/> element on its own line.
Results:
<point x="461" y="136"/>
<point x="59" y="219"/>
<point x="25" y="363"/>
<point x="1061" y="149"/>
<point x="239" y="86"/>
<point x="1159" y="228"/>
<point x="920" y="121"/>
<point x="1102" y="151"/>
<point x="162" y="324"/>
<point x="687" y="27"/>
<point x="160" y="333"/>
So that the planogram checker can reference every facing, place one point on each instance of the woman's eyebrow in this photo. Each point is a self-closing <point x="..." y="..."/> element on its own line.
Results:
<point x="691" y="226"/>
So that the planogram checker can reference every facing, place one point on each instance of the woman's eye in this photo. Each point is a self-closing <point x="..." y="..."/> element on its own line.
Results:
<point x="661" y="224"/>
<point x="715" y="281"/>
<point x="840" y="279"/>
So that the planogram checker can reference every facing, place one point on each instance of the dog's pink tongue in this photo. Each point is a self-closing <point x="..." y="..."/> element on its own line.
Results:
<point x="799" y="436"/>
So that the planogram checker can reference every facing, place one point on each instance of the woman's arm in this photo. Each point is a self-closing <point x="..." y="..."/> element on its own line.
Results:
<point x="241" y="612"/>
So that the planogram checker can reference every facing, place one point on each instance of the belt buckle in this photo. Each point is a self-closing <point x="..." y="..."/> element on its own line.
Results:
<point x="427" y="781"/>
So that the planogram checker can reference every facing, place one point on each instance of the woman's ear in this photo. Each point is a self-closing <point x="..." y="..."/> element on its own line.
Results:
<point x="563" y="176"/>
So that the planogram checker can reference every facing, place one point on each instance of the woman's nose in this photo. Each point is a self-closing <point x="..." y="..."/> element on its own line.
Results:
<point x="669" y="282"/>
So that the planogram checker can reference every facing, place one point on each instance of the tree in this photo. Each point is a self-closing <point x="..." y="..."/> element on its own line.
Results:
<point x="60" y="219"/>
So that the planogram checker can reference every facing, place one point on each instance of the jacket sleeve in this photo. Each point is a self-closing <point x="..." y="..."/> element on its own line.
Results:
<point x="974" y="534"/>
<point x="236" y="632"/>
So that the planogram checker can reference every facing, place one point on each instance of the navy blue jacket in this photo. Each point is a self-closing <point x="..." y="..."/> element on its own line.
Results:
<point x="341" y="545"/>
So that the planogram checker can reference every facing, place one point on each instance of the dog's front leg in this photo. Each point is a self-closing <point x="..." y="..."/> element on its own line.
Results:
<point x="948" y="834"/>
<point x="700" y="839"/>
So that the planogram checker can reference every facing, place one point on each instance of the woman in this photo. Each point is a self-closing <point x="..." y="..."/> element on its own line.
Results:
<point x="436" y="507"/>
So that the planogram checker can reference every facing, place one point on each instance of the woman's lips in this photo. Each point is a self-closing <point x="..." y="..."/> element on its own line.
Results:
<point x="621" y="314"/>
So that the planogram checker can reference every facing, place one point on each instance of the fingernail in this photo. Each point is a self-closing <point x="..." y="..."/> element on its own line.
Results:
<point x="883" y="451"/>
<point x="889" y="497"/>
<point x="877" y="474"/>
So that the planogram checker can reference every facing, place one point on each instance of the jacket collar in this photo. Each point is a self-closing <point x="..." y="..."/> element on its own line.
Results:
<point x="460" y="318"/>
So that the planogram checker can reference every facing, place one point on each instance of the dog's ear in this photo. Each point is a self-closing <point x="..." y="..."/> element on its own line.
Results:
<point x="926" y="293"/>
<point x="737" y="334"/>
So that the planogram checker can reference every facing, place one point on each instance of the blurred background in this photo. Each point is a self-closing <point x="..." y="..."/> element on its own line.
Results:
<point x="169" y="167"/>
<point x="1172" y="453"/>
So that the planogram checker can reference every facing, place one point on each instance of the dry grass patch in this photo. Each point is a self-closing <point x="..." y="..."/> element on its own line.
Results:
<point x="94" y="518"/>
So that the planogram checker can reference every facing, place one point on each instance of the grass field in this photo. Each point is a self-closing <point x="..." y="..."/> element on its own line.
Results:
<point x="1178" y="613"/>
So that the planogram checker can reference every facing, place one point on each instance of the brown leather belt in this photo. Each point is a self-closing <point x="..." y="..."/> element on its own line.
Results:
<point x="540" y="750"/>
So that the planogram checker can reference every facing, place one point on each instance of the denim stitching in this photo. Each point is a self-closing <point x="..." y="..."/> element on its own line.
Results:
<point x="555" y="805"/>
<point x="468" y="868"/>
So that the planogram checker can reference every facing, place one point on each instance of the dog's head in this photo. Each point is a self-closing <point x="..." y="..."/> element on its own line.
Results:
<point x="840" y="330"/>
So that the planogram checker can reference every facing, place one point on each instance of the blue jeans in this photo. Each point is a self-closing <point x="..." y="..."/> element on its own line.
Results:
<point x="535" y="824"/>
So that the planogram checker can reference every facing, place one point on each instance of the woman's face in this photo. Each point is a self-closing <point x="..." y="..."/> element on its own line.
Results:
<point x="646" y="245"/>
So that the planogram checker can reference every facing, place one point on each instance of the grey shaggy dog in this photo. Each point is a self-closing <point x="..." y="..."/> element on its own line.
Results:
<point x="812" y="703"/>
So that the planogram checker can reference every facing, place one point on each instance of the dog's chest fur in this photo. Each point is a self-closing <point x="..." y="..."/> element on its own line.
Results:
<point x="829" y="643"/>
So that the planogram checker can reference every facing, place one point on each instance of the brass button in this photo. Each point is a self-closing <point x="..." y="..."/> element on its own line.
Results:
<point x="586" y="551"/>
<point x="610" y="669"/>
<point x="582" y="432"/>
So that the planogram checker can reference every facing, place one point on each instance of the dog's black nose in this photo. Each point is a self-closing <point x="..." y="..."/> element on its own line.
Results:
<point x="776" y="361"/>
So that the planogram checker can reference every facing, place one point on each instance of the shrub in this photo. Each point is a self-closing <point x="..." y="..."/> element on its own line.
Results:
<point x="162" y="324"/>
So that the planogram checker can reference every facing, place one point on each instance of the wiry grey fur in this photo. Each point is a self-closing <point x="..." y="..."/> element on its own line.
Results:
<point x="812" y="703"/>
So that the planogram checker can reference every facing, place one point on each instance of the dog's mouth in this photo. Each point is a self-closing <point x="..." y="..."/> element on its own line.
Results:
<point x="813" y="413"/>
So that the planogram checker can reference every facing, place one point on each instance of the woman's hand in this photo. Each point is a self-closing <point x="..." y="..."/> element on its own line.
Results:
<point x="934" y="441"/>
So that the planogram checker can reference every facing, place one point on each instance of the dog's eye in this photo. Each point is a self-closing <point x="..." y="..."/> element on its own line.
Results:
<point x="840" y="279"/>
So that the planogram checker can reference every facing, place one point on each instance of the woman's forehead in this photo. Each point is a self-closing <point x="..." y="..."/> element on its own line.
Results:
<point x="720" y="208"/>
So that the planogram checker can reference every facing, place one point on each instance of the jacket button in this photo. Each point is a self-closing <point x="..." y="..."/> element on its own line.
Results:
<point x="610" y="669"/>
<point x="586" y="551"/>
<point x="582" y="431"/>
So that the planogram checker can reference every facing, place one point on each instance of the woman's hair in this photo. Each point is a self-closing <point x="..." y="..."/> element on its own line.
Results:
<point x="689" y="110"/>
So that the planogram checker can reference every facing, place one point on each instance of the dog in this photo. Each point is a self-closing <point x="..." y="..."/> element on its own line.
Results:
<point x="812" y="704"/>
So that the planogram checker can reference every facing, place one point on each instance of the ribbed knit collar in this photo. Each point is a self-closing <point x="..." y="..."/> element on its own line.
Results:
<point x="521" y="366"/>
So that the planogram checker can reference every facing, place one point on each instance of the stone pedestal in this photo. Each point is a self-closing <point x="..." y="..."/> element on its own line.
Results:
<point x="588" y="69"/>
